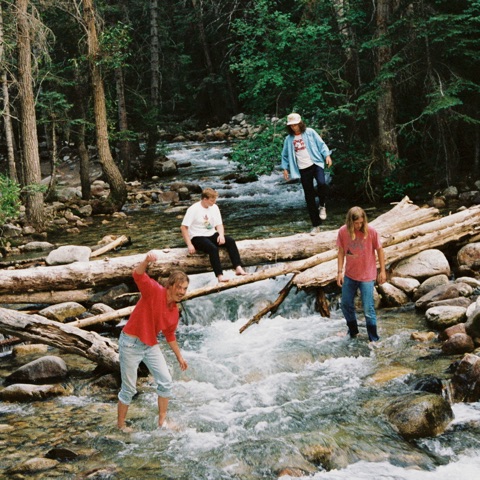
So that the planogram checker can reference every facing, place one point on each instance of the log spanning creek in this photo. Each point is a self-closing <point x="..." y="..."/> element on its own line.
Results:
<point x="290" y="397"/>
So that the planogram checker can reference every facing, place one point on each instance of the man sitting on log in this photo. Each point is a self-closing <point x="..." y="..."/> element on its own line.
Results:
<point x="202" y="229"/>
<point x="156" y="312"/>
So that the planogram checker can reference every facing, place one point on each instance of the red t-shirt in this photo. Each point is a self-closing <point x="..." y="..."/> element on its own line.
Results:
<point x="360" y="260"/>
<point x="151" y="314"/>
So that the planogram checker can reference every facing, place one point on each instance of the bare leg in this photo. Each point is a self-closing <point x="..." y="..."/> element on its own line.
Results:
<point x="162" y="410"/>
<point x="122" y="410"/>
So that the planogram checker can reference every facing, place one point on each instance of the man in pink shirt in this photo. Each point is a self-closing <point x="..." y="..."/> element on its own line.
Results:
<point x="156" y="312"/>
<point x="357" y="244"/>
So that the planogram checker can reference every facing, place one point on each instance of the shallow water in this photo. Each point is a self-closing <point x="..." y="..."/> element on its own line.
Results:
<point x="291" y="392"/>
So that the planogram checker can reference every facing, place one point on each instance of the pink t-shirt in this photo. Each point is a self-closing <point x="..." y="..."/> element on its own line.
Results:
<point x="360" y="260"/>
<point x="152" y="314"/>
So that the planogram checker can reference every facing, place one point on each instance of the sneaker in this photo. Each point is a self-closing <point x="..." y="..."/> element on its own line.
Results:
<point x="322" y="213"/>
<point x="315" y="230"/>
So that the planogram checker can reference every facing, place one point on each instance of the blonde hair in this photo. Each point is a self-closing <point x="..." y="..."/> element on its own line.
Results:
<point x="177" y="276"/>
<point x="209" y="193"/>
<point x="354" y="214"/>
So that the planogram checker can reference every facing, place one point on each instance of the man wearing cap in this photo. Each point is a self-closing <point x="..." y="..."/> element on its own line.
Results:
<point x="305" y="156"/>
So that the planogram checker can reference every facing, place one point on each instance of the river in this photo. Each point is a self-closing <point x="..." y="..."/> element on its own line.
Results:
<point x="290" y="392"/>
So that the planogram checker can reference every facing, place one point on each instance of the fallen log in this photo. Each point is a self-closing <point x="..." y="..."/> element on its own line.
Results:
<point x="49" y="298"/>
<point x="98" y="273"/>
<point x="121" y="240"/>
<point x="38" y="329"/>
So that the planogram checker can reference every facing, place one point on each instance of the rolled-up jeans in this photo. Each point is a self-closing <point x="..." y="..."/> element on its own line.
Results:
<point x="349" y="290"/>
<point x="132" y="352"/>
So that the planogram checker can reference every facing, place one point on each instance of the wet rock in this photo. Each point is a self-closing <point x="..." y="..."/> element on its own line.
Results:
<point x="423" y="265"/>
<point x="4" y="428"/>
<point x="392" y="296"/>
<point x="465" y="381"/>
<point x="23" y="392"/>
<point x="428" y="384"/>
<point x="61" y="454"/>
<point x="423" y="336"/>
<point x="468" y="257"/>
<point x="408" y="285"/>
<point x="109" y="296"/>
<point x="62" y="311"/>
<point x="420" y="415"/>
<point x="46" y="369"/>
<point x="429" y="285"/>
<point x="68" y="254"/>
<point x="441" y="318"/>
<point x="458" y="343"/>
<point x="291" y="472"/>
<point x="34" y="465"/>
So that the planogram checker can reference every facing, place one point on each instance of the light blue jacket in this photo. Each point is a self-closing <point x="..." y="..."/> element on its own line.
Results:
<point x="316" y="148"/>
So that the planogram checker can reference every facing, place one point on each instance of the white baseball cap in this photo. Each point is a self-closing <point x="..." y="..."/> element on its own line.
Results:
<point x="293" y="119"/>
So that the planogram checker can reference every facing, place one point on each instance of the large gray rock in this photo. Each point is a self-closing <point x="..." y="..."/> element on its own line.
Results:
<point x="48" y="369"/>
<point x="441" y="318"/>
<point x="408" y="285"/>
<point x="68" y="254"/>
<point x="392" y="296"/>
<point x="423" y="265"/>
<point x="22" y="392"/>
<point x="420" y="415"/>
<point x="61" y="311"/>
<point x="444" y="292"/>
<point x="430" y="284"/>
<point x="472" y="325"/>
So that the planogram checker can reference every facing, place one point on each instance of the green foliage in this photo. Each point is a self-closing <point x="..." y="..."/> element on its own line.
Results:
<point x="9" y="199"/>
<point x="260" y="154"/>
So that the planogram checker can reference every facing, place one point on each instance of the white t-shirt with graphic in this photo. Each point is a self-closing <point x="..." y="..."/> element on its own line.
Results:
<point x="201" y="221"/>
<point x="301" y="153"/>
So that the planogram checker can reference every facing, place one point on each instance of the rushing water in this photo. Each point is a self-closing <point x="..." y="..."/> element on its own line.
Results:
<point x="290" y="392"/>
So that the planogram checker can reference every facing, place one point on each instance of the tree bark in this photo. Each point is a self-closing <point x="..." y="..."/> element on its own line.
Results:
<point x="80" y="275"/>
<point x="34" y="197"/>
<point x="118" y="189"/>
<point x="69" y="339"/>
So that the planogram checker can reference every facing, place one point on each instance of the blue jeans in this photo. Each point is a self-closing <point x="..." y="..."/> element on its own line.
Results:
<point x="307" y="177"/>
<point x="349" y="289"/>
<point x="132" y="352"/>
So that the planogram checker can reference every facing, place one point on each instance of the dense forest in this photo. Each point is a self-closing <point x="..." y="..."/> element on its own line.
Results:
<point x="391" y="85"/>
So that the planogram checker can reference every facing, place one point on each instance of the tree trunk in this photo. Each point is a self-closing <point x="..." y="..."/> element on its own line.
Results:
<point x="79" y="133"/>
<point x="7" y="119"/>
<point x="387" y="136"/>
<point x="80" y="275"/>
<point x="118" y="189"/>
<point x="34" y="197"/>
<point x="36" y="328"/>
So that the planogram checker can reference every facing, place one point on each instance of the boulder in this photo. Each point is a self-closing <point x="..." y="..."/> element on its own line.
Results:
<point x="465" y="381"/>
<point x="68" y="254"/>
<point x="33" y="465"/>
<point x="48" y="369"/>
<point x="447" y="333"/>
<point x="425" y="264"/>
<point x="392" y="296"/>
<point x="468" y="257"/>
<point x="22" y="392"/>
<point x="420" y="415"/>
<point x="63" y="311"/>
<point x="472" y="325"/>
<point x="444" y="292"/>
<point x="429" y="285"/>
<point x="408" y="285"/>
<point x="441" y="318"/>
<point x="37" y="247"/>
<point x="458" y="343"/>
